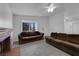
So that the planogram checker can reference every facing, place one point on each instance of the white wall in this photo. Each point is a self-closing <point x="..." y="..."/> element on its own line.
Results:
<point x="5" y="16"/>
<point x="41" y="20"/>
<point x="68" y="27"/>
<point x="71" y="27"/>
<point x="72" y="23"/>
<point x="57" y="22"/>
<point x="75" y="28"/>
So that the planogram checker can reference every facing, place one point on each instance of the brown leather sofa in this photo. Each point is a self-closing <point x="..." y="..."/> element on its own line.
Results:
<point x="67" y="42"/>
<point x="25" y="37"/>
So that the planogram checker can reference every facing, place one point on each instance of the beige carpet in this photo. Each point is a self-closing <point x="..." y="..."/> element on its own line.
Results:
<point x="39" y="48"/>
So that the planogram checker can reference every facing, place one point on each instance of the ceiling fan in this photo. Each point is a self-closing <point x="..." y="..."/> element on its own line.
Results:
<point x="50" y="7"/>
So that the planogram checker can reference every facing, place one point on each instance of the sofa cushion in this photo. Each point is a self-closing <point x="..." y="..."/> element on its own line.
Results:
<point x="24" y="34"/>
<point x="31" y="34"/>
<point x="37" y="32"/>
<point x="54" y="35"/>
<point x="74" y="38"/>
<point x="64" y="42"/>
<point x="31" y="37"/>
<point x="62" y="36"/>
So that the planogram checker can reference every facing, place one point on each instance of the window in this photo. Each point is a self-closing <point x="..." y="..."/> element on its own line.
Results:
<point x="29" y="26"/>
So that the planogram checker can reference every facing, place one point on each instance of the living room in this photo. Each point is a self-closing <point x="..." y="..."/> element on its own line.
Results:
<point x="63" y="18"/>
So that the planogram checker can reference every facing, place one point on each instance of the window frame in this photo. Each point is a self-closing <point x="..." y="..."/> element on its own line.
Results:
<point x="28" y="21"/>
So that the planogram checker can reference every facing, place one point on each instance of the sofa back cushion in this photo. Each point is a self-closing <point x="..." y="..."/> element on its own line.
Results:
<point x="62" y="36"/>
<point x="25" y="34"/>
<point x="54" y="35"/>
<point x="32" y="33"/>
<point x="74" y="38"/>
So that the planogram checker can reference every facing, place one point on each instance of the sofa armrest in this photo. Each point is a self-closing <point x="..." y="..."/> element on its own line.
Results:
<point x="41" y="33"/>
<point x="19" y="37"/>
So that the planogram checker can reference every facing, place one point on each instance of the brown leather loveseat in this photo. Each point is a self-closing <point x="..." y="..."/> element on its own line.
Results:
<point x="66" y="42"/>
<point x="25" y="37"/>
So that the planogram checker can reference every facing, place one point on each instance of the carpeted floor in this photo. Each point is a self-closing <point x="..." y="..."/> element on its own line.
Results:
<point x="39" y="48"/>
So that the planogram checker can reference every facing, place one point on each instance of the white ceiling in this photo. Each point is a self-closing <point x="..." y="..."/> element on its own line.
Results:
<point x="38" y="9"/>
<point x="33" y="9"/>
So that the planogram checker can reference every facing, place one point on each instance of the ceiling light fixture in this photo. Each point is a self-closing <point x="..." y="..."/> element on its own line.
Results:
<point x="51" y="7"/>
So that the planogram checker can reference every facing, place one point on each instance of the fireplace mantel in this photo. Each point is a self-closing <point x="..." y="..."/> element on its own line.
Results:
<point x="6" y="30"/>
